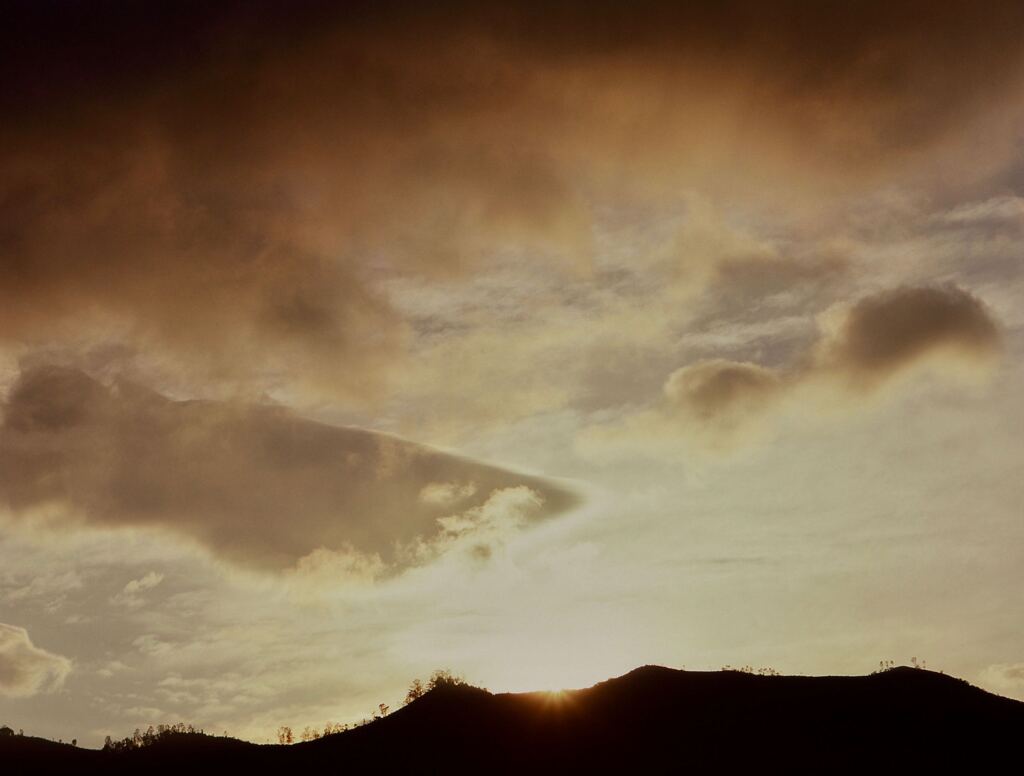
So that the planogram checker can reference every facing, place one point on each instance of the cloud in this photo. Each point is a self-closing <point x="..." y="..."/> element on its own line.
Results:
<point x="719" y="391"/>
<point x="1003" y="209"/>
<point x="478" y="532"/>
<point x="132" y="594"/>
<point x="255" y="484"/>
<point x="51" y="586"/>
<point x="325" y="568"/>
<point x="25" y="669"/>
<point x="229" y="195"/>
<point x="718" y="404"/>
<point x="713" y="405"/>
<point x="884" y="334"/>
<point x="148" y="582"/>
<point x="446" y="494"/>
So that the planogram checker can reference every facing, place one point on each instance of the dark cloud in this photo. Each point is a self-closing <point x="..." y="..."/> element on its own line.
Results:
<point x="25" y="669"/>
<point x="222" y="182"/>
<point x="718" y="403"/>
<point x="721" y="391"/>
<point x="255" y="484"/>
<point x="887" y="332"/>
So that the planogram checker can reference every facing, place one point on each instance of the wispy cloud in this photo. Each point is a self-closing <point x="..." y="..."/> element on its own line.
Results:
<point x="26" y="669"/>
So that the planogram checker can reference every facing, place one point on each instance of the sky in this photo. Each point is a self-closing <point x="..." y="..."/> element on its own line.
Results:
<point x="340" y="343"/>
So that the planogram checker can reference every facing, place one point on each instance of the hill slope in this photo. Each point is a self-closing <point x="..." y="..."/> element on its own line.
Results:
<point x="653" y="718"/>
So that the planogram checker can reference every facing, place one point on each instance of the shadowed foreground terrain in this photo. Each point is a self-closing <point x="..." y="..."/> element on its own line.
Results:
<point x="657" y="719"/>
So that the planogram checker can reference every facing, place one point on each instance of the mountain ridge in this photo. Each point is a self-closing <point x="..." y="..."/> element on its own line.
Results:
<point x="653" y="717"/>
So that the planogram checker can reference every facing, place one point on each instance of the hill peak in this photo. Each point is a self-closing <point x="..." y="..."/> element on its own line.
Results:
<point x="652" y="715"/>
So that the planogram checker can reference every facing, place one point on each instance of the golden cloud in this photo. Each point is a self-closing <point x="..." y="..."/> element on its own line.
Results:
<point x="254" y="484"/>
<point x="25" y="669"/>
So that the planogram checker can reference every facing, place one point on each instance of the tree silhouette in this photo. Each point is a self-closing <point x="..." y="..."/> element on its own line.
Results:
<point x="416" y="690"/>
<point x="140" y="739"/>
<point x="442" y="677"/>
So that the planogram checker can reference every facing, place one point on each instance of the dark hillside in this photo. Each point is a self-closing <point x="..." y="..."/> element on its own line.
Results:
<point x="656" y="719"/>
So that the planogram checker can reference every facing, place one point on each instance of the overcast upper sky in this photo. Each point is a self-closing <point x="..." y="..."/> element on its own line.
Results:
<point x="343" y="342"/>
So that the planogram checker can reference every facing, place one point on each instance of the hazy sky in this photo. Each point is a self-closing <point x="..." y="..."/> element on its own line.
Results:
<point x="337" y="346"/>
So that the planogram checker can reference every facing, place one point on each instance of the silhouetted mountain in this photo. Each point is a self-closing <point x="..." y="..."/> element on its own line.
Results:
<point x="655" y="719"/>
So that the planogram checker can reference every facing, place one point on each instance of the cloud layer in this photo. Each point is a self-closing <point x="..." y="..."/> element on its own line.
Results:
<point x="253" y="483"/>
<point x="227" y="194"/>
<point x="25" y="669"/>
